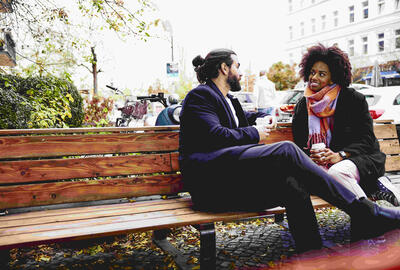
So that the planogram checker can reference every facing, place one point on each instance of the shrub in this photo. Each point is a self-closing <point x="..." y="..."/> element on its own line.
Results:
<point x="51" y="102"/>
<point x="97" y="110"/>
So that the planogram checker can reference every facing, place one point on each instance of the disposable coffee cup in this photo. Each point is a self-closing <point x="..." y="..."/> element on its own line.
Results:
<point x="262" y="121"/>
<point x="318" y="146"/>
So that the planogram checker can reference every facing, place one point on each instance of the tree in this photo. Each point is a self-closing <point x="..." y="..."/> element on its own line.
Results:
<point x="283" y="75"/>
<point x="54" y="39"/>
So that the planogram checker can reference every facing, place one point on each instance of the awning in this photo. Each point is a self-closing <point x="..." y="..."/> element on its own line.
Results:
<point x="384" y="74"/>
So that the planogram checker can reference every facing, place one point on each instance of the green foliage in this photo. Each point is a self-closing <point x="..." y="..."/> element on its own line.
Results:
<point x="97" y="110"/>
<point x="283" y="75"/>
<point x="183" y="87"/>
<point x="39" y="102"/>
<point x="14" y="109"/>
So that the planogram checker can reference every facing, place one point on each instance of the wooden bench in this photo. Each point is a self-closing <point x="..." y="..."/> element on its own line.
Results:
<point x="59" y="185"/>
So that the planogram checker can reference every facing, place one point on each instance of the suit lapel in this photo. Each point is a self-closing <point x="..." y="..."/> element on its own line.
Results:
<point x="227" y="109"/>
<point x="239" y="111"/>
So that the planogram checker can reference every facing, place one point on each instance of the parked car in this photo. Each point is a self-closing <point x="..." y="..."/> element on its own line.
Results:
<point x="360" y="86"/>
<point x="246" y="100"/>
<point x="284" y="111"/>
<point x="384" y="102"/>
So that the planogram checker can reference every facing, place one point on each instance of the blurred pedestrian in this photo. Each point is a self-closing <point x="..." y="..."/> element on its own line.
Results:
<point x="337" y="116"/>
<point x="264" y="94"/>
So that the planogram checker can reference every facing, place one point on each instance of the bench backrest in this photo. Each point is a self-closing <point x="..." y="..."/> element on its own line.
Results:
<point x="387" y="136"/>
<point x="53" y="166"/>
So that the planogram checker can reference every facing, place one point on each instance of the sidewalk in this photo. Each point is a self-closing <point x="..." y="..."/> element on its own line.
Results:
<point x="249" y="244"/>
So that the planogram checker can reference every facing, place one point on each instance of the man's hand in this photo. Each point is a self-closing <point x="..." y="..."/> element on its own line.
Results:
<point x="268" y="121"/>
<point x="263" y="132"/>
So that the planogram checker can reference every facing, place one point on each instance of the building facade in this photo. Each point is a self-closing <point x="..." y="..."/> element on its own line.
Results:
<point x="368" y="30"/>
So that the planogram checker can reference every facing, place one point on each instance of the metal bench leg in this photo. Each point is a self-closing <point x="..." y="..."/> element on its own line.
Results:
<point x="4" y="259"/>
<point x="208" y="247"/>
<point x="160" y="239"/>
<point x="279" y="217"/>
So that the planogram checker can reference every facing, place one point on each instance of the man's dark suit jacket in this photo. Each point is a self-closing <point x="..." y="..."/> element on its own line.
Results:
<point x="352" y="132"/>
<point x="211" y="142"/>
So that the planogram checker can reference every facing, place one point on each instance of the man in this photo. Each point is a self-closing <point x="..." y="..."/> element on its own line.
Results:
<point x="264" y="94"/>
<point x="224" y="167"/>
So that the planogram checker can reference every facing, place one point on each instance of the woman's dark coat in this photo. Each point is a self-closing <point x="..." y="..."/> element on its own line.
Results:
<point x="352" y="132"/>
<point x="211" y="142"/>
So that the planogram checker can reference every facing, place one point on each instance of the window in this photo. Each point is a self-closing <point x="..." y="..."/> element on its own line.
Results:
<point x="313" y="25"/>
<point x="335" y="18"/>
<point x="381" y="42"/>
<point x="290" y="32"/>
<point x="396" y="100"/>
<point x="350" y="45"/>
<point x="365" y="9"/>
<point x="290" y="5"/>
<point x="351" y="14"/>
<point x="365" y="45"/>
<point x="397" y="38"/>
<point x="323" y="22"/>
<point x="302" y="28"/>
<point x="381" y="6"/>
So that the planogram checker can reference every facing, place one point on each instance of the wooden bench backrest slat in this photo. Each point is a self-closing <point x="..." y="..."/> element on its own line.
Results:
<point x="386" y="131"/>
<point x="48" y="146"/>
<point x="392" y="163"/>
<point x="93" y="190"/>
<point x="390" y="147"/>
<point x="87" y="130"/>
<point x="59" y="169"/>
<point x="389" y="144"/>
<point x="279" y="134"/>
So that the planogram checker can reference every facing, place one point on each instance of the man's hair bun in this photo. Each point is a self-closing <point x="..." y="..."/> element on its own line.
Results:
<point x="198" y="61"/>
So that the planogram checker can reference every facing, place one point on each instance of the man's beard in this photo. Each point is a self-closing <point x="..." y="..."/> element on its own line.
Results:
<point x="233" y="82"/>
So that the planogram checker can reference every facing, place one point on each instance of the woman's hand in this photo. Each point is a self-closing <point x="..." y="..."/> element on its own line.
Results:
<point x="325" y="157"/>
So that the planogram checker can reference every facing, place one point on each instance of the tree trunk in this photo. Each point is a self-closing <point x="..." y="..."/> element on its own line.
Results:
<point x="94" y="70"/>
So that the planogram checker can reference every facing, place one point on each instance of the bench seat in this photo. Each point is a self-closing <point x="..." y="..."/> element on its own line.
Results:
<point x="77" y="223"/>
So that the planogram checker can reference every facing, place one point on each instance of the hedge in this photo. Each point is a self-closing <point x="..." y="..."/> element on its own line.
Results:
<point x="39" y="102"/>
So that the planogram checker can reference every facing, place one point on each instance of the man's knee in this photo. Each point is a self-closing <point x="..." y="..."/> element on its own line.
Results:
<point x="289" y="147"/>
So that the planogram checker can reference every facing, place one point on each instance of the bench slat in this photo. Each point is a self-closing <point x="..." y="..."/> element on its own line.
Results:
<point x="83" y="229"/>
<point x="58" y="169"/>
<point x="93" y="190"/>
<point x="279" y="134"/>
<point x="390" y="147"/>
<point x="163" y="204"/>
<point x="387" y="131"/>
<point x="49" y="146"/>
<point x="392" y="163"/>
<point x="87" y="130"/>
<point x="98" y="217"/>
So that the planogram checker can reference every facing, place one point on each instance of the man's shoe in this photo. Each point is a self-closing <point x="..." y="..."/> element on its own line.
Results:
<point x="387" y="191"/>
<point x="378" y="221"/>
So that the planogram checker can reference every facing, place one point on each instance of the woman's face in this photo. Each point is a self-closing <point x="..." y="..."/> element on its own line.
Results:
<point x="320" y="76"/>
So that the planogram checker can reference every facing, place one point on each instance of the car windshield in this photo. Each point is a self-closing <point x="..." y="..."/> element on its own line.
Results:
<point x="293" y="97"/>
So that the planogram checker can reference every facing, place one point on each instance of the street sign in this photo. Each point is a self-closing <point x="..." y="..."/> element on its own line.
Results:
<point x="172" y="69"/>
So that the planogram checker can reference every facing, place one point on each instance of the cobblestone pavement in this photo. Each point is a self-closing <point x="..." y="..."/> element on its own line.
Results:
<point x="246" y="244"/>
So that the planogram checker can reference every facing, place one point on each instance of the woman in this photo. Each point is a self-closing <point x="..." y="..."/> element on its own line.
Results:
<point x="334" y="114"/>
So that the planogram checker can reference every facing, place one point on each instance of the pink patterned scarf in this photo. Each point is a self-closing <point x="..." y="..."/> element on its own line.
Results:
<point x="321" y="106"/>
